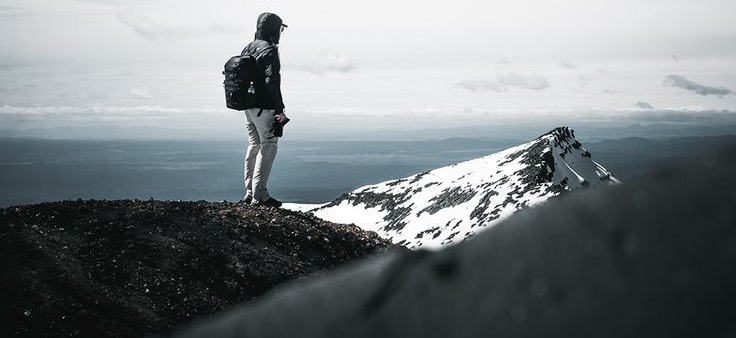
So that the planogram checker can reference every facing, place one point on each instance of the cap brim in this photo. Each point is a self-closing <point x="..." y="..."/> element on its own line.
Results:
<point x="285" y="25"/>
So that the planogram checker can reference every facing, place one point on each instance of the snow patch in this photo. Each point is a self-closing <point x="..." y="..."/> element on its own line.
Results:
<point x="447" y="205"/>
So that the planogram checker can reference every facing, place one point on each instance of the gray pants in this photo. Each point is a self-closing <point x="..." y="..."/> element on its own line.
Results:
<point x="262" y="146"/>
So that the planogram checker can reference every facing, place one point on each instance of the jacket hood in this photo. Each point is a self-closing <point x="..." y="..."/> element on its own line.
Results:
<point x="268" y="27"/>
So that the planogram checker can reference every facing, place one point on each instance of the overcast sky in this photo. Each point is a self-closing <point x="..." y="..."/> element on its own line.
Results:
<point x="368" y="65"/>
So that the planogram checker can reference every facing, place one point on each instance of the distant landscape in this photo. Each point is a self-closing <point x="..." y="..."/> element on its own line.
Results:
<point x="39" y="170"/>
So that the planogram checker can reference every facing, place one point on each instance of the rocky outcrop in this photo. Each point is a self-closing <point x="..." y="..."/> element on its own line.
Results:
<point x="130" y="268"/>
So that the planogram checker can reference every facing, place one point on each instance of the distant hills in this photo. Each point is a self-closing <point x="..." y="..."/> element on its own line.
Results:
<point x="40" y="170"/>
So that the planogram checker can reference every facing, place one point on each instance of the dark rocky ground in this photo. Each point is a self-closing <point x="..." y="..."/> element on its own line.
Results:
<point x="131" y="268"/>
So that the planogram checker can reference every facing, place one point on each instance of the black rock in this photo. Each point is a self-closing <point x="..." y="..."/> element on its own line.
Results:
<point x="130" y="268"/>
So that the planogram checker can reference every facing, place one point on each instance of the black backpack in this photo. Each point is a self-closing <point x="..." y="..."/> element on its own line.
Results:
<point x="240" y="75"/>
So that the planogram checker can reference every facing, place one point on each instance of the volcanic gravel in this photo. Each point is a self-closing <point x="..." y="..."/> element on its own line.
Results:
<point x="131" y="268"/>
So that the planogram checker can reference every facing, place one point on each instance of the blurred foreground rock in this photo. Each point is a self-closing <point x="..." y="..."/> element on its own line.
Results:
<point x="650" y="258"/>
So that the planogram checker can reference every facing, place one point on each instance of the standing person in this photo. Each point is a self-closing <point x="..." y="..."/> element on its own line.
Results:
<point x="264" y="120"/>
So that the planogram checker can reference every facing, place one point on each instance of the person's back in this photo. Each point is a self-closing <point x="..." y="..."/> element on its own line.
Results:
<point x="268" y="111"/>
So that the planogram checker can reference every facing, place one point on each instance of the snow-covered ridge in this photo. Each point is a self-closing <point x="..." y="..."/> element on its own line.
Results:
<point x="450" y="204"/>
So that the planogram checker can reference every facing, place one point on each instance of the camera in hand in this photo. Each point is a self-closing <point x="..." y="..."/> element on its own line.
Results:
<point x="278" y="127"/>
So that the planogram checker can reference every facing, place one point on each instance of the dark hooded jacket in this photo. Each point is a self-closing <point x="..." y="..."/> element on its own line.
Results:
<point x="265" y="49"/>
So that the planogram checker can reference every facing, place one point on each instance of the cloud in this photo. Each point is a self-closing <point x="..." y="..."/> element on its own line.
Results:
<point x="9" y="11"/>
<point x="680" y="81"/>
<point x="152" y="30"/>
<point x="98" y="121"/>
<point x="585" y="79"/>
<point x="153" y="115"/>
<point x="531" y="82"/>
<point x="567" y="65"/>
<point x="325" y="62"/>
<point x="504" y="62"/>
<point x="78" y="94"/>
<point x="115" y="2"/>
<point x="682" y="116"/>
<point x="644" y="105"/>
<point x="12" y="62"/>
<point x="91" y="113"/>
<point x="142" y="93"/>
<point x="480" y="86"/>
<point x="504" y="81"/>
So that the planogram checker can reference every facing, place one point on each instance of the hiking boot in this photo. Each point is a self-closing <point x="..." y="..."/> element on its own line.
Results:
<point x="270" y="202"/>
<point x="247" y="199"/>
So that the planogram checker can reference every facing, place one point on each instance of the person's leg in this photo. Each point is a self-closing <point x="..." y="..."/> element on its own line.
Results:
<point x="264" y="161"/>
<point x="254" y="147"/>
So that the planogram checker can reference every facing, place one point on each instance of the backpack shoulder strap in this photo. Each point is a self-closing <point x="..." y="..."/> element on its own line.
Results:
<point x="258" y="48"/>
<point x="263" y="51"/>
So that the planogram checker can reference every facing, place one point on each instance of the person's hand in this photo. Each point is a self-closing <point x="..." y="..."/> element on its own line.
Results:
<point x="280" y="118"/>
